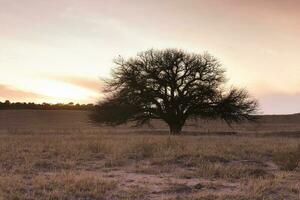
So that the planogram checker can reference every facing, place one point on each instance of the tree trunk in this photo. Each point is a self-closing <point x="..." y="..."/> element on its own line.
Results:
<point x="175" y="128"/>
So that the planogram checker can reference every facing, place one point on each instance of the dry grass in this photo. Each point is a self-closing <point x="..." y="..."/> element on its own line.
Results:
<point x="62" y="185"/>
<point x="102" y="166"/>
<point x="62" y="121"/>
<point x="288" y="159"/>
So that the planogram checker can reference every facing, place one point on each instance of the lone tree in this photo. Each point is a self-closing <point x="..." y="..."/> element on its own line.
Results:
<point x="173" y="86"/>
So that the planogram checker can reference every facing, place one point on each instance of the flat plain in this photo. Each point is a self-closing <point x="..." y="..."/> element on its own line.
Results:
<point x="61" y="155"/>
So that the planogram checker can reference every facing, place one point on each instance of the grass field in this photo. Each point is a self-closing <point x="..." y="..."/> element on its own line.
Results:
<point x="36" y="163"/>
<point x="54" y="121"/>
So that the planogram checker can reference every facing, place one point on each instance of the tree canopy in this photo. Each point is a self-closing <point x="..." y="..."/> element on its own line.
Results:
<point x="171" y="85"/>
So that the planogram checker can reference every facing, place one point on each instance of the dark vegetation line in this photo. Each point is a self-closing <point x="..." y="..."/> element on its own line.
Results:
<point x="7" y="105"/>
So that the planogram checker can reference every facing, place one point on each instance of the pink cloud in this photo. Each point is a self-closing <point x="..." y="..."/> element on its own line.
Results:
<point x="12" y="94"/>
<point x="280" y="104"/>
<point x="86" y="83"/>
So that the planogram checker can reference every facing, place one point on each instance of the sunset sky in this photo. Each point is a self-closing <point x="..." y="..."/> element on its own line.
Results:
<point x="57" y="50"/>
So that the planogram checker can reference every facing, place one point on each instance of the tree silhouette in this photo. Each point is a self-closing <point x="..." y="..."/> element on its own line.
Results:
<point x="173" y="86"/>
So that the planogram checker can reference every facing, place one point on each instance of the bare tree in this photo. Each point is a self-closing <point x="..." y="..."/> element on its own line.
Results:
<point x="173" y="86"/>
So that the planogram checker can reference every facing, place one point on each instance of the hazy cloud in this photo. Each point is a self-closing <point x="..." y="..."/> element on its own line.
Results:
<point x="280" y="103"/>
<point x="83" y="82"/>
<point x="12" y="94"/>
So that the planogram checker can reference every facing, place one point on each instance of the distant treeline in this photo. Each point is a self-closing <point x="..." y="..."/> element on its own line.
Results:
<point x="7" y="105"/>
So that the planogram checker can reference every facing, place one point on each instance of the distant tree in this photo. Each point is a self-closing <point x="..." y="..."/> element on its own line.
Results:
<point x="173" y="86"/>
<point x="7" y="105"/>
<point x="7" y="102"/>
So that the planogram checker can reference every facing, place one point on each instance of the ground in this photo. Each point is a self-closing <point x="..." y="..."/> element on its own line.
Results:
<point x="103" y="166"/>
<point x="95" y="164"/>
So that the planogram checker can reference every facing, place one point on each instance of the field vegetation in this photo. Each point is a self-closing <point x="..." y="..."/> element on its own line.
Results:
<point x="100" y="166"/>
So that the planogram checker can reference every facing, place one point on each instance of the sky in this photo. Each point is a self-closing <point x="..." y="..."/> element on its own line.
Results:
<point x="58" y="50"/>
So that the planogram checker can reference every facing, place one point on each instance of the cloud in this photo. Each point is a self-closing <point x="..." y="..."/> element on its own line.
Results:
<point x="280" y="103"/>
<point x="13" y="94"/>
<point x="86" y="83"/>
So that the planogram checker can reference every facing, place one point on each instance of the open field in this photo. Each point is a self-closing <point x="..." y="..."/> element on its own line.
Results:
<point x="49" y="121"/>
<point x="101" y="166"/>
<point x="59" y="155"/>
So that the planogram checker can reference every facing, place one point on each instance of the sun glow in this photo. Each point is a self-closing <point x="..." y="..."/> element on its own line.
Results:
<point x="63" y="92"/>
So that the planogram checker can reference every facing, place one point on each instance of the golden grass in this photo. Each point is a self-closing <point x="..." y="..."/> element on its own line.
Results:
<point x="82" y="166"/>
<point x="63" y="185"/>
